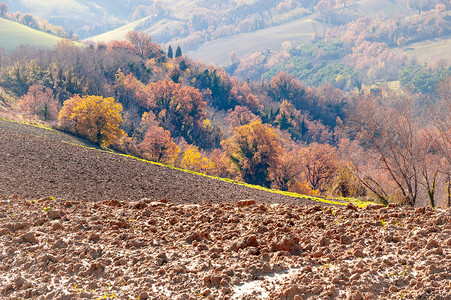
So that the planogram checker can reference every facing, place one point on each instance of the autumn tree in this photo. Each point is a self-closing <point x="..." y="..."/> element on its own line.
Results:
<point x="388" y="130"/>
<point x="255" y="149"/>
<point x="40" y="101"/>
<point x="287" y="170"/>
<point x="439" y="134"/>
<point x="241" y="115"/>
<point x="319" y="164"/>
<point x="194" y="160"/>
<point x="94" y="117"/>
<point x="28" y="20"/>
<point x="130" y="91"/>
<point x="144" y="45"/>
<point x="285" y="87"/>
<point x="158" y="146"/>
<point x="223" y="166"/>
<point x="179" y="109"/>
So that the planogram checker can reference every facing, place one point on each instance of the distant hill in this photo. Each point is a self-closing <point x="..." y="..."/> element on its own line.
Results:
<point x="13" y="34"/>
<point x="293" y="25"/>
<point x="211" y="30"/>
<point x="84" y="17"/>
<point x="118" y="34"/>
<point x="244" y="44"/>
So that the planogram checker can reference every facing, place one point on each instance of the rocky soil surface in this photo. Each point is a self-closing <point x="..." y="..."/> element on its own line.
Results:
<point x="145" y="249"/>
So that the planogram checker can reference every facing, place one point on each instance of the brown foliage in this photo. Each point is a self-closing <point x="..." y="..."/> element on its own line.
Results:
<point x="144" y="46"/>
<point x="241" y="115"/>
<point x="288" y="169"/>
<point x="130" y="91"/>
<point x="40" y="101"/>
<point x="179" y="109"/>
<point x="285" y="87"/>
<point x="158" y="146"/>
<point x="389" y="129"/>
<point x="319" y="164"/>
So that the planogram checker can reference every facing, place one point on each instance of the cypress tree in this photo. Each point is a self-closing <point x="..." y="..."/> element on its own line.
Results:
<point x="178" y="52"/>
<point x="170" y="53"/>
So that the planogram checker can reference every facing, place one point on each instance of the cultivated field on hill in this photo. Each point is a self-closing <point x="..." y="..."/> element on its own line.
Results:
<point x="35" y="163"/>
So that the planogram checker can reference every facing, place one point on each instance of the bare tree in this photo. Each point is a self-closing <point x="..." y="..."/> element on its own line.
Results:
<point x="143" y="44"/>
<point x="387" y="127"/>
<point x="439" y="132"/>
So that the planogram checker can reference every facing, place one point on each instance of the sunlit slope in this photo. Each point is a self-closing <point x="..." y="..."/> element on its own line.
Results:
<point x="110" y="11"/>
<point x="297" y="32"/>
<point x="390" y="8"/>
<point x="13" y="34"/>
<point x="428" y="51"/>
<point x="118" y="34"/>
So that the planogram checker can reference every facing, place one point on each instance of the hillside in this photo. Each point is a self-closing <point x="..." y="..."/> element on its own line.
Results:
<point x="428" y="50"/>
<point x="118" y="34"/>
<point x="211" y="31"/>
<point x="79" y="223"/>
<point x="295" y="27"/>
<point x="217" y="52"/>
<point x="37" y="162"/>
<point x="13" y="34"/>
<point x="74" y="15"/>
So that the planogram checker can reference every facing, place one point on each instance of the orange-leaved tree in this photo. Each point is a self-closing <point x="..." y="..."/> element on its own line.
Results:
<point x="40" y="101"/>
<point x="158" y="146"/>
<point x="94" y="117"/>
<point x="255" y="149"/>
<point x="179" y="109"/>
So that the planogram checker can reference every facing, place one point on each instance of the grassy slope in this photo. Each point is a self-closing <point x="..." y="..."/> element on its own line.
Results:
<point x="389" y="7"/>
<point x="100" y="11"/>
<point x="53" y="134"/>
<point x="117" y="34"/>
<point x="217" y="51"/>
<point x="13" y="34"/>
<point x="424" y="51"/>
<point x="428" y="50"/>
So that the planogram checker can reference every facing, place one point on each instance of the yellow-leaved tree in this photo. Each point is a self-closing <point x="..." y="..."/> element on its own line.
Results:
<point x="194" y="160"/>
<point x="255" y="149"/>
<point x="96" y="118"/>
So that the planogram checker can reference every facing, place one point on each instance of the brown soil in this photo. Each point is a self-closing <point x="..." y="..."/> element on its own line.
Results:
<point x="110" y="234"/>
<point x="152" y="250"/>
<point x="34" y="166"/>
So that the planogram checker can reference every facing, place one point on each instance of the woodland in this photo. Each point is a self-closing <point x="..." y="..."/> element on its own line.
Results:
<point x="321" y="119"/>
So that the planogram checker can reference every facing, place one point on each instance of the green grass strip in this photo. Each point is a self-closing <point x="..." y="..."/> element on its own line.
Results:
<point x="29" y="124"/>
<point x="355" y="201"/>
